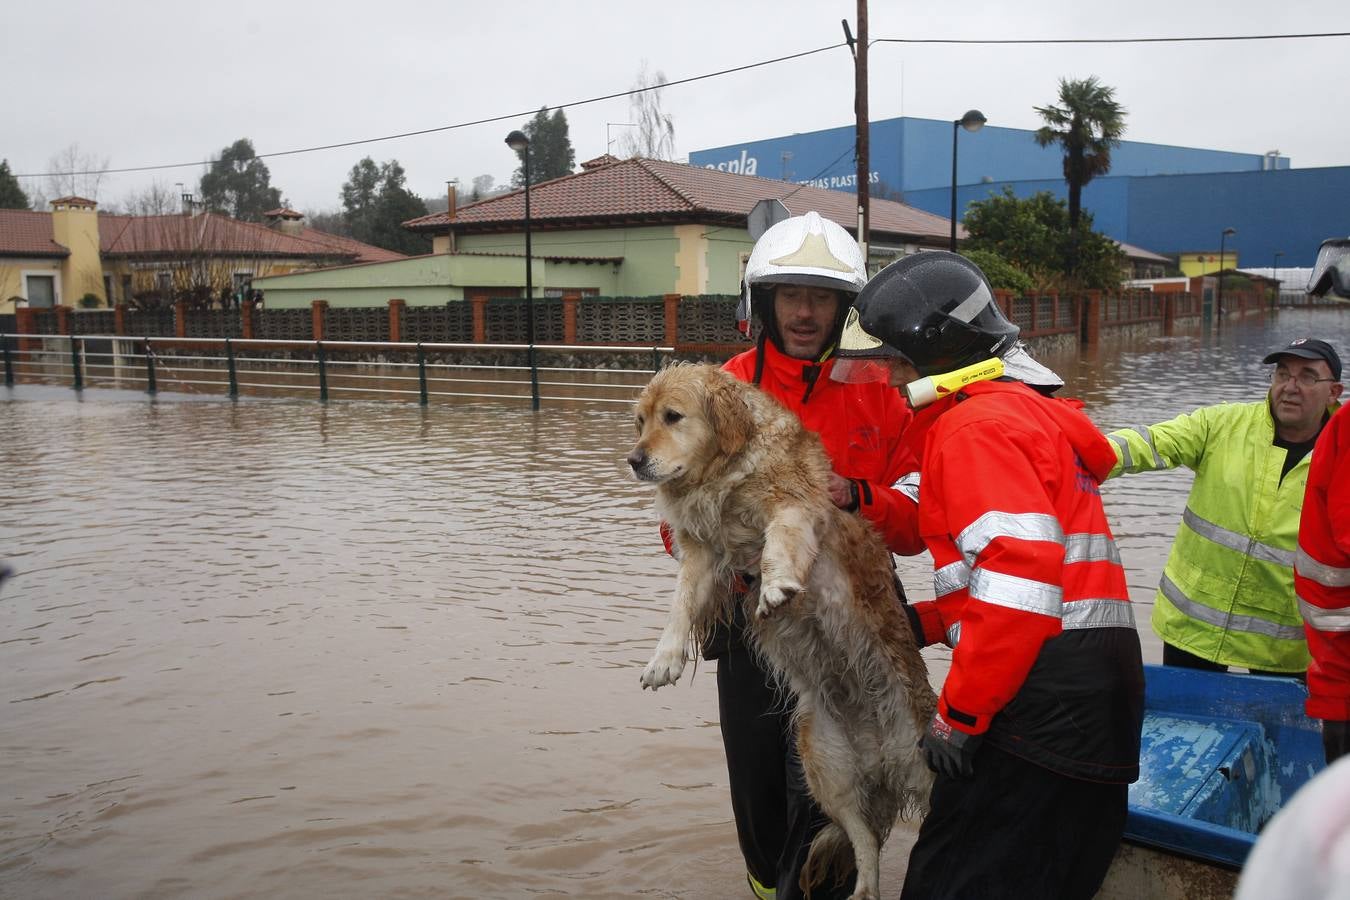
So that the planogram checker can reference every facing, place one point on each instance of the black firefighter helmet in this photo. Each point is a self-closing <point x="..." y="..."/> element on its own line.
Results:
<point x="934" y="309"/>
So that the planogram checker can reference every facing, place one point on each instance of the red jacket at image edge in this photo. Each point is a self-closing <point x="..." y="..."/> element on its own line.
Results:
<point x="1030" y="590"/>
<point x="861" y="427"/>
<point x="1322" y="571"/>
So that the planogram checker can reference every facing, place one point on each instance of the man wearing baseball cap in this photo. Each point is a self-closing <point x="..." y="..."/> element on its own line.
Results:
<point x="1227" y="593"/>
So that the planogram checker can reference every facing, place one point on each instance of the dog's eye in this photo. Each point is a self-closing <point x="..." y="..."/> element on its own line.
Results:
<point x="638" y="423"/>
<point x="672" y="416"/>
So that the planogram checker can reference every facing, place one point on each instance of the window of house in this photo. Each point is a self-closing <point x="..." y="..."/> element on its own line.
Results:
<point x="41" y="291"/>
<point x="126" y="289"/>
<point x="164" y="283"/>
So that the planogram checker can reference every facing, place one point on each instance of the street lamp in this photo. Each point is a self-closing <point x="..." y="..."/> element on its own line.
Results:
<point x="1275" y="276"/>
<point x="1222" y="238"/>
<point x="518" y="142"/>
<point x="973" y="120"/>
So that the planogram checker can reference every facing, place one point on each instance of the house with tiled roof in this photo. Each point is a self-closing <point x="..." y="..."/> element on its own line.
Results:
<point x="76" y="256"/>
<point x="635" y="227"/>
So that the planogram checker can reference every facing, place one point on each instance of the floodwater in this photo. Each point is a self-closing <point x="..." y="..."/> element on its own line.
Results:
<point x="276" y="648"/>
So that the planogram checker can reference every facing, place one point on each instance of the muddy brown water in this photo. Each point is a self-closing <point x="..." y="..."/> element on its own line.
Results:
<point x="277" y="648"/>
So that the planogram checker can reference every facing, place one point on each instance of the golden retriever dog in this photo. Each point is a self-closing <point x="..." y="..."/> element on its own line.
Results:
<point x="744" y="487"/>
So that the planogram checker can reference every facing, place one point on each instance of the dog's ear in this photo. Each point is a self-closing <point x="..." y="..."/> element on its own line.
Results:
<point x="728" y="414"/>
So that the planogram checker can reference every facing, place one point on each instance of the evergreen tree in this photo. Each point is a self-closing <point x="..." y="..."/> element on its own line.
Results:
<point x="377" y="204"/>
<point x="1033" y="235"/>
<point x="11" y="194"/>
<point x="551" y="154"/>
<point x="239" y="184"/>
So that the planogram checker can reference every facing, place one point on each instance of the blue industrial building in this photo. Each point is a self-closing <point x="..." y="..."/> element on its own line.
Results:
<point x="1161" y="198"/>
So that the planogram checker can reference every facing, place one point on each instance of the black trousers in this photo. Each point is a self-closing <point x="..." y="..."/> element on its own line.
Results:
<point x="1015" y="830"/>
<point x="776" y="819"/>
<point x="1183" y="659"/>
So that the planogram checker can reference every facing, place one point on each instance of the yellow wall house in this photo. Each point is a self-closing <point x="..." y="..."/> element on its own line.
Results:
<point x="1205" y="262"/>
<point x="75" y="256"/>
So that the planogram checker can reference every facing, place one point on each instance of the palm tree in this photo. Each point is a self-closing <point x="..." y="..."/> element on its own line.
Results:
<point x="1087" y="124"/>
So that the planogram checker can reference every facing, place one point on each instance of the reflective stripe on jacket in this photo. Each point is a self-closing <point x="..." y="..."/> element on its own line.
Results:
<point x="1227" y="591"/>
<point x="1028" y="582"/>
<point x="1322" y="572"/>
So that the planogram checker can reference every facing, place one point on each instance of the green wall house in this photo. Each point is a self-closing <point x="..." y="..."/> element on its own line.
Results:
<point x="617" y="228"/>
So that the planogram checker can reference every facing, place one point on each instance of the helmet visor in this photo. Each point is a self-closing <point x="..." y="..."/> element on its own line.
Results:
<point x="854" y="370"/>
<point x="1331" y="272"/>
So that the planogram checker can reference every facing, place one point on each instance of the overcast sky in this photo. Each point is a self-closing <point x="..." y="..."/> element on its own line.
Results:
<point x="147" y="83"/>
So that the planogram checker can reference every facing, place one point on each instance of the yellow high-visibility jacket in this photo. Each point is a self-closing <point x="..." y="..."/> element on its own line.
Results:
<point x="1227" y="592"/>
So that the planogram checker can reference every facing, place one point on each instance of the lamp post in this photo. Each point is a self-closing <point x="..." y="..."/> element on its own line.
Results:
<point x="973" y="120"/>
<point x="518" y="142"/>
<point x="1275" y="276"/>
<point x="1222" y="238"/>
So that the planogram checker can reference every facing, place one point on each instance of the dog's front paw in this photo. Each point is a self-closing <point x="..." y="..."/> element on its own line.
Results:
<point x="665" y="668"/>
<point x="772" y="596"/>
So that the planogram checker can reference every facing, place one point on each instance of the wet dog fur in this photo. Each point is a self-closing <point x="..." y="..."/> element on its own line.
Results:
<point x="744" y="487"/>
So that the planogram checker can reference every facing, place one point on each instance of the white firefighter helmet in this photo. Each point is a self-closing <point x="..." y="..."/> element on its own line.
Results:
<point x="806" y="249"/>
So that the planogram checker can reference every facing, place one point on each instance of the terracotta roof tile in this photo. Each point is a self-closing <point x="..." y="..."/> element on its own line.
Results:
<point x="646" y="188"/>
<point x="364" y="253"/>
<point x="215" y="234"/>
<point x="27" y="233"/>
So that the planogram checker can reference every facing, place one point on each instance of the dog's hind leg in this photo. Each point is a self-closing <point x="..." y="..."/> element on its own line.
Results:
<point x="791" y="543"/>
<point x="833" y="774"/>
<point x="695" y="591"/>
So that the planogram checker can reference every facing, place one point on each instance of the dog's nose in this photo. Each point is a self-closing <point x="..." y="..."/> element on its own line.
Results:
<point x="637" y="458"/>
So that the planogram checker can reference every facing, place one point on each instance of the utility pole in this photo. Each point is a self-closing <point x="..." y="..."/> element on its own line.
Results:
<point x="859" y="48"/>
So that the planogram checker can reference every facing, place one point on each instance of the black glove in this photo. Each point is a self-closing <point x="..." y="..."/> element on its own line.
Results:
<point x="949" y="751"/>
<point x="1335" y="739"/>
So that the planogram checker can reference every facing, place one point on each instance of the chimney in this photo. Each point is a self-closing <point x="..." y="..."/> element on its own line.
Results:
<point x="285" y="220"/>
<point x="450" y="191"/>
<point x="186" y="201"/>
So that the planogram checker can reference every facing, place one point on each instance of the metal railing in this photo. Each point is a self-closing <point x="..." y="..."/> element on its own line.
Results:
<point x="241" y="368"/>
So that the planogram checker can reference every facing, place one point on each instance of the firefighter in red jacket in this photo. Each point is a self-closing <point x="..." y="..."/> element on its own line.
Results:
<point x="799" y="280"/>
<point x="1036" y="736"/>
<point x="1322" y="563"/>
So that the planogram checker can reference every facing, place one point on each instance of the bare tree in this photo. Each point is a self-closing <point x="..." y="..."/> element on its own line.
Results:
<point x="158" y="199"/>
<point x="74" y="173"/>
<point x="654" y="136"/>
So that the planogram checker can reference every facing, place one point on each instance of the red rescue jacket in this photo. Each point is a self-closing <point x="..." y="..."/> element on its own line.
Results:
<point x="861" y="427"/>
<point x="1030" y="590"/>
<point x="1322" y="571"/>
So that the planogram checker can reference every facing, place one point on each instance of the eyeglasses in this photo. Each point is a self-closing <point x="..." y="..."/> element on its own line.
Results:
<point x="1305" y="378"/>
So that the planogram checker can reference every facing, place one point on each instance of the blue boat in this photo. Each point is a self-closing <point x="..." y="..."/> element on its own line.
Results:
<point x="1220" y="755"/>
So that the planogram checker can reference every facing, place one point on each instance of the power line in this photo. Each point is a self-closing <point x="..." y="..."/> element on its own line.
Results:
<point x="693" y="78"/>
<point x="501" y="118"/>
<point x="1141" y="40"/>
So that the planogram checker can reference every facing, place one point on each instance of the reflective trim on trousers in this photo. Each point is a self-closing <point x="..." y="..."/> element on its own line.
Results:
<point x="954" y="633"/>
<point x="1087" y="547"/>
<point x="1324" y="619"/>
<point x="1107" y="613"/>
<point x="1015" y="592"/>
<point x="1248" y="546"/>
<point x="1227" y="621"/>
<point x="1323" y="574"/>
<point x="951" y="577"/>
<point x="909" y="486"/>
<point x="994" y="524"/>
